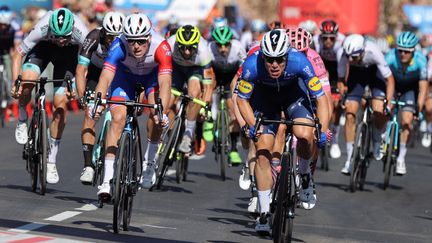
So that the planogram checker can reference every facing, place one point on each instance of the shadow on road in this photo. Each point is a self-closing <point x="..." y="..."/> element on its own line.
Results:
<point x="28" y="189"/>
<point x="210" y="176"/>
<point x="87" y="234"/>
<point x="169" y="188"/>
<point x="81" y="200"/>
<point x="423" y="217"/>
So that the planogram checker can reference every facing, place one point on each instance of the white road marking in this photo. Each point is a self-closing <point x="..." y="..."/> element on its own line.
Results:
<point x="197" y="157"/>
<point x="170" y="172"/>
<point x="87" y="207"/>
<point x="63" y="216"/>
<point x="28" y="227"/>
<point x="158" y="227"/>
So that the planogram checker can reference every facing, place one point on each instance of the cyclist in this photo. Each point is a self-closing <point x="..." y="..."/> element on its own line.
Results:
<point x="366" y="67"/>
<point x="139" y="55"/>
<point x="269" y="75"/>
<point x="328" y="43"/>
<point x="227" y="54"/>
<point x="191" y="66"/>
<point x="10" y="39"/>
<point x="427" y="127"/>
<point x="252" y="38"/>
<point x="409" y="68"/>
<point x="90" y="63"/>
<point x="56" y="38"/>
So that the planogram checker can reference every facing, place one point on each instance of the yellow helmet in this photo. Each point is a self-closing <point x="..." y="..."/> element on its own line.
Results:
<point x="188" y="35"/>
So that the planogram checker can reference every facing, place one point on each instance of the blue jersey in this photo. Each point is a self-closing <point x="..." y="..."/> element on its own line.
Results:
<point x="297" y="70"/>
<point x="416" y="70"/>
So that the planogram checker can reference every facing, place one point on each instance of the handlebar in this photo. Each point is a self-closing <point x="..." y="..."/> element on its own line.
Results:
<point x="43" y="81"/>
<point x="195" y="100"/>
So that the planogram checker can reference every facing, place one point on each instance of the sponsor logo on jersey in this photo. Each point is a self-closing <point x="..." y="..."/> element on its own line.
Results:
<point x="245" y="87"/>
<point x="314" y="84"/>
<point x="308" y="71"/>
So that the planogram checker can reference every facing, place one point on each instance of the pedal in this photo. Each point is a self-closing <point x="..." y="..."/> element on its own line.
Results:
<point x="104" y="197"/>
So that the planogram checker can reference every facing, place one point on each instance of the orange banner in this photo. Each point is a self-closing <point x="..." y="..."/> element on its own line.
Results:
<point x="352" y="16"/>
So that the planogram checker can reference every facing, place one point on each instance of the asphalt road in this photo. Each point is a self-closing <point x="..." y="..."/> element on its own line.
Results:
<point x="205" y="209"/>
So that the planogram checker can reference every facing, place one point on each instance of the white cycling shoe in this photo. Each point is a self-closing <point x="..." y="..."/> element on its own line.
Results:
<point x="21" y="135"/>
<point x="104" y="190"/>
<point x="244" y="179"/>
<point x="149" y="176"/>
<point x="307" y="196"/>
<point x="400" y="167"/>
<point x="52" y="176"/>
<point x="335" y="151"/>
<point x="263" y="224"/>
<point x="253" y="206"/>
<point x="87" y="175"/>
<point x="426" y="140"/>
<point x="346" y="169"/>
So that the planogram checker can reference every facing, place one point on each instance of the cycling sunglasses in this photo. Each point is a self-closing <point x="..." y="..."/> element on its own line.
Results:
<point x="228" y="44"/>
<point x="140" y="42"/>
<point x="189" y="48"/>
<point x="405" y="51"/>
<point x="332" y="38"/>
<point x="271" y="60"/>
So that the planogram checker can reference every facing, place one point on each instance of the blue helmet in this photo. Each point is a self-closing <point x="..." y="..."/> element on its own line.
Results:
<point x="407" y="39"/>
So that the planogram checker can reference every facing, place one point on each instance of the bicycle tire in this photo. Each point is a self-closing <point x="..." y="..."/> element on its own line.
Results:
<point x="168" y="151"/>
<point x="31" y="159"/>
<point x="99" y="155"/>
<point x="356" y="157"/>
<point x="222" y="146"/>
<point x="324" y="154"/>
<point x="185" y="164"/>
<point x="119" y="181"/>
<point x="43" y="150"/>
<point x="131" y="188"/>
<point x="389" y="158"/>
<point x="283" y="221"/>
<point x="3" y="96"/>
<point x="365" y="157"/>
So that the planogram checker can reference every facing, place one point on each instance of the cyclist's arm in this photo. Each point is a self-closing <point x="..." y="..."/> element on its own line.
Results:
<point x="16" y="64"/>
<point x="246" y="111"/>
<point x="163" y="57"/>
<point x="90" y="45"/>
<point x="80" y="79"/>
<point x="105" y="80"/>
<point x="208" y="83"/>
<point x="423" y="89"/>
<point x="234" y="98"/>
<point x="390" y="88"/>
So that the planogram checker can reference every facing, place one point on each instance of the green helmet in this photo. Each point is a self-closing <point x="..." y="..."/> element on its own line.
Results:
<point x="222" y="35"/>
<point x="61" y="22"/>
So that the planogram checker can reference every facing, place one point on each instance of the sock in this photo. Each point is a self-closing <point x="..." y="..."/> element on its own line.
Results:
<point x="335" y="130"/>
<point x="253" y="186"/>
<point x="429" y="127"/>
<point x="349" y="148"/>
<point x="264" y="200"/>
<point x="22" y="113"/>
<point x="214" y="109"/>
<point x="151" y="150"/>
<point x="54" y="144"/>
<point x="109" y="170"/>
<point x="402" y="152"/>
<point x="304" y="166"/>
<point x="305" y="180"/>
<point x="88" y="154"/>
<point x="190" y="127"/>
<point x="234" y="138"/>
<point x="274" y="167"/>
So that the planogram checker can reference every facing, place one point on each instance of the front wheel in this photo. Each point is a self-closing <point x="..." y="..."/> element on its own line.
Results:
<point x="43" y="150"/>
<point x="388" y="157"/>
<point x="119" y="181"/>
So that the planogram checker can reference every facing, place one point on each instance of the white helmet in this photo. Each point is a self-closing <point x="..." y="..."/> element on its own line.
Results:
<point x="353" y="45"/>
<point x="308" y="25"/>
<point x="5" y="17"/>
<point x="137" y="26"/>
<point x="113" y="22"/>
<point x="275" y="43"/>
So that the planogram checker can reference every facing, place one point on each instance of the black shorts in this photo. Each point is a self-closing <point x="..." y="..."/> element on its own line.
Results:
<point x="331" y="67"/>
<point x="64" y="60"/>
<point x="181" y="75"/>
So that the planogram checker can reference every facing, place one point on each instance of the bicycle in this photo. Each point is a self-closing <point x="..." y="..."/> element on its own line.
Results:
<point x="98" y="153"/>
<point x="391" y="144"/>
<point x="221" y="130"/>
<point x="286" y="191"/>
<point x="3" y="92"/>
<point x="127" y="171"/>
<point x="361" y="151"/>
<point x="36" y="149"/>
<point x="167" y="152"/>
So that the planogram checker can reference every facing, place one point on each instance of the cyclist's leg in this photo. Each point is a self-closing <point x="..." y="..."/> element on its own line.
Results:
<point x="301" y="111"/>
<point x="380" y="120"/>
<point x="427" y="137"/>
<point x="34" y="64"/>
<point x="355" y="91"/>
<point x="407" y="116"/>
<point x="278" y="148"/>
<point x="335" y="151"/>
<point x="88" y="128"/>
<point x="234" y="129"/>
<point x="64" y="60"/>
<point x="119" y="90"/>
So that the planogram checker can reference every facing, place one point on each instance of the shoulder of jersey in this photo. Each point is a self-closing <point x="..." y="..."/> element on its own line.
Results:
<point x="418" y="55"/>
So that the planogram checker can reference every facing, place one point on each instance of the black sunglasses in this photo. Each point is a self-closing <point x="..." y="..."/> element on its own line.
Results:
<point x="139" y="42"/>
<point x="61" y="37"/>
<point x="189" y="48"/>
<point x="228" y="44"/>
<point x="271" y="60"/>
<point x="332" y="38"/>
<point x="405" y="51"/>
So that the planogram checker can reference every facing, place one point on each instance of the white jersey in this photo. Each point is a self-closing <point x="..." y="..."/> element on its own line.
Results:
<point x="201" y="58"/>
<point x="230" y="63"/>
<point x="41" y="32"/>
<point x="328" y="54"/>
<point x="372" y="56"/>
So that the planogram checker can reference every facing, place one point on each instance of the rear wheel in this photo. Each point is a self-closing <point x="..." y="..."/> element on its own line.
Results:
<point x="222" y="138"/>
<point x="119" y="181"/>
<point x="389" y="158"/>
<point x="43" y="150"/>
<point x="365" y="156"/>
